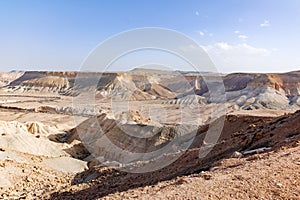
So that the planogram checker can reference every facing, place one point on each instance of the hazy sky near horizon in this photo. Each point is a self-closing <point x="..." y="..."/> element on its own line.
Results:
<point x="246" y="36"/>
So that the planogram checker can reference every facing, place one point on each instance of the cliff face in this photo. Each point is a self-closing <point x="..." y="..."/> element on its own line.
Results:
<point x="259" y="91"/>
<point x="243" y="90"/>
<point x="7" y="77"/>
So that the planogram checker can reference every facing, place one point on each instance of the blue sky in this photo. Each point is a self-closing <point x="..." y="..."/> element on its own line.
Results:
<point x="248" y="35"/>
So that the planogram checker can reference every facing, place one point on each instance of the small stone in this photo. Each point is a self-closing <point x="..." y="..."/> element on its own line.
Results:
<point x="28" y="179"/>
<point x="237" y="154"/>
<point x="206" y="176"/>
<point x="213" y="169"/>
<point x="2" y="164"/>
<point x="279" y="185"/>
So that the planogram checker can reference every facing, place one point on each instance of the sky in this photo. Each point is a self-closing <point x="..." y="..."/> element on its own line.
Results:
<point x="239" y="36"/>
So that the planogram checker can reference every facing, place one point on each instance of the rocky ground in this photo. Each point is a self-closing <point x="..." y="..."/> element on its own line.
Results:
<point x="272" y="175"/>
<point x="277" y="136"/>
